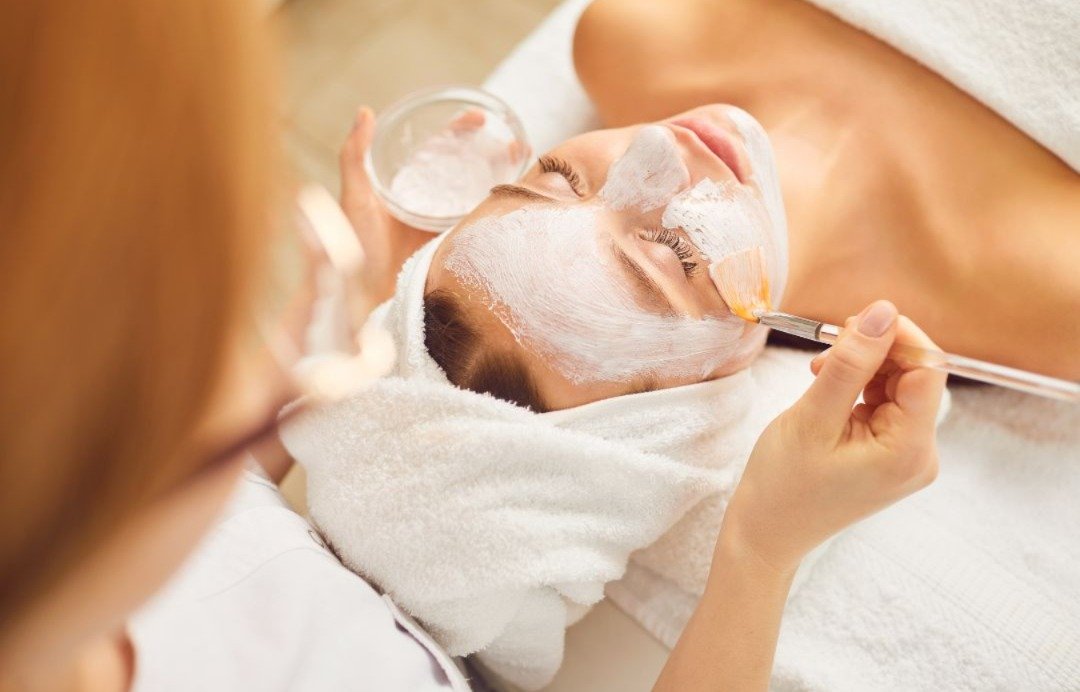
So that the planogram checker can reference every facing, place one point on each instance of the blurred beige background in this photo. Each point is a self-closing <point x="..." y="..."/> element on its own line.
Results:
<point x="341" y="54"/>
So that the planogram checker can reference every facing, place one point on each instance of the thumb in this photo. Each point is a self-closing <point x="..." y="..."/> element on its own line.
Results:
<point x="852" y="363"/>
<point x="365" y="127"/>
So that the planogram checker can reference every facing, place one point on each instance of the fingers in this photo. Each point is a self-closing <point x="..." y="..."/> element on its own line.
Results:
<point x="357" y="197"/>
<point x="917" y="391"/>
<point x="468" y="121"/>
<point x="356" y="145"/>
<point x="364" y="127"/>
<point x="851" y="364"/>
<point x="818" y="361"/>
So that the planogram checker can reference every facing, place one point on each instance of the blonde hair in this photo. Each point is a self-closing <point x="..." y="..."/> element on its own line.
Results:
<point x="135" y="170"/>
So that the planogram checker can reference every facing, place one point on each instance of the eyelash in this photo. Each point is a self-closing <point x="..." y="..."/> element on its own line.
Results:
<point x="673" y="240"/>
<point x="551" y="164"/>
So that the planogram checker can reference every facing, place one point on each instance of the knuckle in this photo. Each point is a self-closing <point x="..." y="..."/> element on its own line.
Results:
<point x="847" y="364"/>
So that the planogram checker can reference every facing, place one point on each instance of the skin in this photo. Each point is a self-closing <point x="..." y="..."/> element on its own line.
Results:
<point x="667" y="288"/>
<point x="896" y="183"/>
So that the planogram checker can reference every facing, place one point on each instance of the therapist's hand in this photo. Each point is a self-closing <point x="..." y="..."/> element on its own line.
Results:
<point x="826" y="463"/>
<point x="387" y="241"/>
<point x="820" y="466"/>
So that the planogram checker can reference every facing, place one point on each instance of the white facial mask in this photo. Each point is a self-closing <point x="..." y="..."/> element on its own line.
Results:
<point x="552" y="279"/>
<point x="556" y="287"/>
<point x="767" y="179"/>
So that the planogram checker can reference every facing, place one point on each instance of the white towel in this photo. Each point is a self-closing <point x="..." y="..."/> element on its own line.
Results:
<point x="497" y="527"/>
<point x="972" y="584"/>
<point x="494" y="526"/>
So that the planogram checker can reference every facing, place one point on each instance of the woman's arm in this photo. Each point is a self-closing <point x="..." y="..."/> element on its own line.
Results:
<point x="730" y="640"/>
<point x="822" y="465"/>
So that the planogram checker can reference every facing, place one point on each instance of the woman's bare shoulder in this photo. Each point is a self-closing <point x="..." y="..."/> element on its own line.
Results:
<point x="627" y="50"/>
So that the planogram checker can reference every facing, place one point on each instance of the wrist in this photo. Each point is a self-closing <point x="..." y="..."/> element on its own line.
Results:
<point x="376" y="286"/>
<point x="735" y="546"/>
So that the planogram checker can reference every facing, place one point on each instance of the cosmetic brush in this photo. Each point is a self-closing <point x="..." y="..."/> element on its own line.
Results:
<point x="743" y="283"/>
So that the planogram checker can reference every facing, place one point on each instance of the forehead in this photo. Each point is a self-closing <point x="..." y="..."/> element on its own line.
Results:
<point x="556" y="390"/>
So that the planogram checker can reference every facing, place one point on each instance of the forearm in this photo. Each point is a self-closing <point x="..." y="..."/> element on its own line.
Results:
<point x="730" y="640"/>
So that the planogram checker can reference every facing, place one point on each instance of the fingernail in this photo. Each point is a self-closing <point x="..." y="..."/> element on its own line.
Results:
<point x="876" y="319"/>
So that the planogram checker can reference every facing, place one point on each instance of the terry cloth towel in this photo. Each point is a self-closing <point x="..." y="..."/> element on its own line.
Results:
<point x="497" y="527"/>
<point x="971" y="584"/>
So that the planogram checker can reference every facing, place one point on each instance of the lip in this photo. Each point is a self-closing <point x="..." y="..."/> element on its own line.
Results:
<point x="720" y="142"/>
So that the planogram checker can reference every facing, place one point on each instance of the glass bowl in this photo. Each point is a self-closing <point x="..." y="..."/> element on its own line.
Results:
<point x="436" y="153"/>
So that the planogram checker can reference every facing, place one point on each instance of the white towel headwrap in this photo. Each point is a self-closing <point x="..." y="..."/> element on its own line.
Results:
<point x="494" y="526"/>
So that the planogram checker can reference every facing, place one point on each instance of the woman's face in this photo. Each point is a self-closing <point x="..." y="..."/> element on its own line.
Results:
<point x="593" y="269"/>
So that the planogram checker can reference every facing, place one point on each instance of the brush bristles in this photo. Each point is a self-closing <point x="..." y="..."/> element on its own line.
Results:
<point x="743" y="282"/>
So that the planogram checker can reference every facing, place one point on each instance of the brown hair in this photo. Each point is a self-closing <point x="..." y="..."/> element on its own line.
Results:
<point x="459" y="349"/>
<point x="133" y="194"/>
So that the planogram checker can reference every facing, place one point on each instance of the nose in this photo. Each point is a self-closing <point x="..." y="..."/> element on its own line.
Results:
<point x="648" y="174"/>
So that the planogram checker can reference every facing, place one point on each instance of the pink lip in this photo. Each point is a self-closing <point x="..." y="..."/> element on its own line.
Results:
<point x="720" y="142"/>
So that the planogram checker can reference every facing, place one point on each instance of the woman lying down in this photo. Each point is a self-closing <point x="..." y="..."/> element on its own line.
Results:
<point x="585" y="401"/>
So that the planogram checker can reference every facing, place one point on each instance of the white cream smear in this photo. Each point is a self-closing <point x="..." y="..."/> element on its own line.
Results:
<point x="648" y="175"/>
<point x="551" y="277"/>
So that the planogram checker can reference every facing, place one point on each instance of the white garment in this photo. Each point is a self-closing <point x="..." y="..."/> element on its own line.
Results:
<point x="263" y="605"/>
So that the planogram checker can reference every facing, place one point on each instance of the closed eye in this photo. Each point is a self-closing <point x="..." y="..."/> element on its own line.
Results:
<point x="553" y="164"/>
<point x="682" y="249"/>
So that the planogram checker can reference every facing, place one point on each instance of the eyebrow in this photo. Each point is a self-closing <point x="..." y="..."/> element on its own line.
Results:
<point x="520" y="192"/>
<point x="643" y="280"/>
